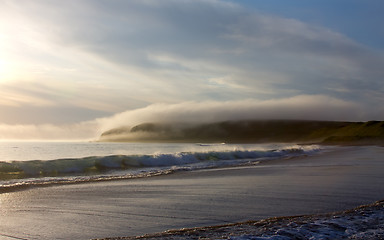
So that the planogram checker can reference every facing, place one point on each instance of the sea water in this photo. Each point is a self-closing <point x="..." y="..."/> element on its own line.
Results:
<point x="24" y="164"/>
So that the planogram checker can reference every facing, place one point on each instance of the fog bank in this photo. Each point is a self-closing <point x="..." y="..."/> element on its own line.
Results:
<point x="302" y="107"/>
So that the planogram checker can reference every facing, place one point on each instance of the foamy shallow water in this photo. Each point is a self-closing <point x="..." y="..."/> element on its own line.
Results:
<point x="364" y="222"/>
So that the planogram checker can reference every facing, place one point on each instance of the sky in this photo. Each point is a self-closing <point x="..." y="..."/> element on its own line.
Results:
<point x="73" y="69"/>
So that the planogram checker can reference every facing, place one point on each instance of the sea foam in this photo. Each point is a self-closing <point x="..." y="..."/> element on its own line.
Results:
<point x="362" y="223"/>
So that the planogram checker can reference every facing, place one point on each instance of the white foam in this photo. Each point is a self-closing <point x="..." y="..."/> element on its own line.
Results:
<point x="362" y="223"/>
<point x="365" y="222"/>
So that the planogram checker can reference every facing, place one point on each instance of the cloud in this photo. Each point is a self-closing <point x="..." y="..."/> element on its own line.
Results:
<point x="183" y="44"/>
<point x="302" y="107"/>
<point x="81" y="131"/>
<point x="30" y="102"/>
<point x="102" y="57"/>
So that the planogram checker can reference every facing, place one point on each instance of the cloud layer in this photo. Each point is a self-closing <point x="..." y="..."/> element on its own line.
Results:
<point x="303" y="107"/>
<point x="76" y="61"/>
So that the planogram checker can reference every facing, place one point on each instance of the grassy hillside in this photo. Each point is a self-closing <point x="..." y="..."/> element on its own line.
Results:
<point x="360" y="132"/>
<point x="254" y="131"/>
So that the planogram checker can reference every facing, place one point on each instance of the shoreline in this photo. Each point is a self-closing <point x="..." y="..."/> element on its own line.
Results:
<point x="369" y="219"/>
<point x="340" y="179"/>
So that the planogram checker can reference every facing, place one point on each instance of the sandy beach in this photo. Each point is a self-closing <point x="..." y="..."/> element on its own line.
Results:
<point x="337" y="180"/>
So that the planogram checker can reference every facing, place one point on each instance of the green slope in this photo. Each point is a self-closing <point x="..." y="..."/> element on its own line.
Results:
<point x="359" y="132"/>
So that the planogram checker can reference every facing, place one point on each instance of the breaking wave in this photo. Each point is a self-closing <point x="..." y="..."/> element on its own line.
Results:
<point x="18" y="174"/>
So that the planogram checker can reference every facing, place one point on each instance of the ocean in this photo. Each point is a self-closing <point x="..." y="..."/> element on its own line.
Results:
<point x="26" y="164"/>
<point x="225" y="189"/>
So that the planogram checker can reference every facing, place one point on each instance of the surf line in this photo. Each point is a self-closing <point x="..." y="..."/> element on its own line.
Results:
<point x="9" y="236"/>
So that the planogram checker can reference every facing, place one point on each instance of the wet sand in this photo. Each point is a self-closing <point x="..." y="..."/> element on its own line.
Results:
<point x="333" y="181"/>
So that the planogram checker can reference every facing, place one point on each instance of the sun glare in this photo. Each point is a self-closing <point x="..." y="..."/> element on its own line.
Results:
<point x="3" y="64"/>
<point x="6" y="66"/>
<point x="5" y="70"/>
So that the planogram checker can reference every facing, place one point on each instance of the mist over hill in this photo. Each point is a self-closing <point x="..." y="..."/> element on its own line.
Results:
<point x="252" y="131"/>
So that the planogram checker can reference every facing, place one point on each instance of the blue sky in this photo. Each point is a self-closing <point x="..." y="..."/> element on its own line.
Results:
<point x="356" y="19"/>
<point x="68" y="67"/>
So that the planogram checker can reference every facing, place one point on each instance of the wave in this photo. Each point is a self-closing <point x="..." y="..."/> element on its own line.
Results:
<point x="16" y="174"/>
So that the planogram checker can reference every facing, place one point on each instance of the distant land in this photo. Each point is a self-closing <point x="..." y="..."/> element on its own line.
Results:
<point x="253" y="131"/>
